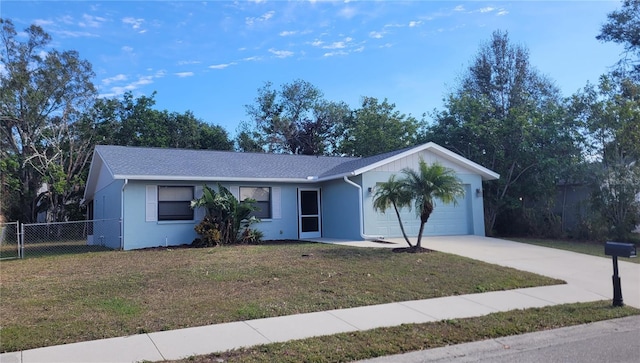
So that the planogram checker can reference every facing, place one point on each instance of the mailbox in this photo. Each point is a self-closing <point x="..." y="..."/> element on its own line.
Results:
<point x="615" y="250"/>
<point x="620" y="249"/>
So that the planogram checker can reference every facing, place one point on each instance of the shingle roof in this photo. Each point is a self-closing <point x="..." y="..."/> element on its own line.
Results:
<point x="124" y="162"/>
<point x="141" y="163"/>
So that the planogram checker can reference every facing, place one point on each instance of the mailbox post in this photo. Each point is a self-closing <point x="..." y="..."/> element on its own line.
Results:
<point x="615" y="250"/>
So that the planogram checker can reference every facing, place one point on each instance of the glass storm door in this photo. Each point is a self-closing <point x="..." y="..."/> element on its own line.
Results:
<point x="309" y="213"/>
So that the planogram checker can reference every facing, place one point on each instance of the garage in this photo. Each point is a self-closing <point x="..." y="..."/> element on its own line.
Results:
<point x="446" y="220"/>
<point x="464" y="218"/>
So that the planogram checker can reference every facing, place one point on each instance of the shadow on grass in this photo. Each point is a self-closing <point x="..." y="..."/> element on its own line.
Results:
<point x="48" y="249"/>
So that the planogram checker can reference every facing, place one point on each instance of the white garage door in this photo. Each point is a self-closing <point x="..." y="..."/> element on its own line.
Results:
<point x="446" y="219"/>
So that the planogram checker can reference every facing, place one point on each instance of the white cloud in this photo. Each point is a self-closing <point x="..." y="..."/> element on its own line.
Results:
<point x="42" y="22"/>
<point x="339" y="45"/>
<point x="127" y="49"/>
<point x="414" y="23"/>
<point x="251" y="59"/>
<point x="262" y="18"/>
<point x="288" y="33"/>
<point x="91" y="21"/>
<point x="502" y="12"/>
<point x="67" y="19"/>
<point x="136" y="23"/>
<point x="458" y="8"/>
<point x="337" y="53"/>
<point x="221" y="66"/>
<point x="347" y="12"/>
<point x="184" y="74"/>
<point x="117" y="78"/>
<point x="317" y="43"/>
<point x="487" y="9"/>
<point x="376" y="35"/>
<point x="184" y="63"/>
<point x="75" y="34"/>
<point x="281" y="53"/>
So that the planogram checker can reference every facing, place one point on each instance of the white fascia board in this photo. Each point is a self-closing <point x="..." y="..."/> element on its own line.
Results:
<point x="214" y="179"/>
<point x="486" y="174"/>
<point x="336" y="176"/>
<point x="439" y="150"/>
<point x="97" y="162"/>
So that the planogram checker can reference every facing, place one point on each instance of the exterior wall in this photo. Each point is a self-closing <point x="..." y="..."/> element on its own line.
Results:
<point x="284" y="226"/>
<point x="107" y="205"/>
<point x="471" y="216"/>
<point x="340" y="210"/>
<point x="140" y="233"/>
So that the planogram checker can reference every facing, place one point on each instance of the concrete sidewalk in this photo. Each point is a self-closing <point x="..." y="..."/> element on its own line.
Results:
<point x="588" y="279"/>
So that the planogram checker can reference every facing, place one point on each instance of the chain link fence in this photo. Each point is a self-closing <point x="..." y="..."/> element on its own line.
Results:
<point x="9" y="240"/>
<point x="45" y="239"/>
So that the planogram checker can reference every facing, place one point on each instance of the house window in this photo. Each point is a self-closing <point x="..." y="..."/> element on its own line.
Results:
<point x="262" y="196"/>
<point x="174" y="203"/>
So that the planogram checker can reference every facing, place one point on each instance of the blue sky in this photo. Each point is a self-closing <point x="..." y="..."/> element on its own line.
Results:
<point x="210" y="57"/>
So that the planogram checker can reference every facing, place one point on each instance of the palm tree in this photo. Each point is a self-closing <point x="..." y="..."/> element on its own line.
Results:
<point x="225" y="212"/>
<point x="392" y="193"/>
<point x="428" y="183"/>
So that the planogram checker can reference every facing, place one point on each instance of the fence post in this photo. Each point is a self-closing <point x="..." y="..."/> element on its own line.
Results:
<point x="20" y="240"/>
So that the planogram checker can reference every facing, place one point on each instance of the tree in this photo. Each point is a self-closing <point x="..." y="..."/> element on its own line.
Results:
<point x="225" y="214"/>
<point x="508" y="118"/>
<point x="296" y="119"/>
<point x="610" y="114"/>
<point x="420" y="187"/>
<point x="377" y="128"/>
<point x="134" y="122"/>
<point x="248" y="139"/>
<point x="392" y="194"/>
<point x="44" y="138"/>
<point x="623" y="27"/>
<point x="429" y="183"/>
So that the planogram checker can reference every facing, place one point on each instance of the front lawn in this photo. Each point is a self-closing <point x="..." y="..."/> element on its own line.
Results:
<point x="588" y="248"/>
<point x="69" y="298"/>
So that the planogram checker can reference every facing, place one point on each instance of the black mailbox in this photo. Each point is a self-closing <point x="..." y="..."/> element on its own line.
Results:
<point x="620" y="249"/>
<point x="615" y="250"/>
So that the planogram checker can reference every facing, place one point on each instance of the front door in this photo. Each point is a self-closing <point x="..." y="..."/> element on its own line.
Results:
<point x="309" y="220"/>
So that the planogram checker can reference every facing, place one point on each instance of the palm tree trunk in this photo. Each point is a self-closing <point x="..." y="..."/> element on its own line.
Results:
<point x="419" y="243"/>
<point x="427" y="208"/>
<point x="404" y="234"/>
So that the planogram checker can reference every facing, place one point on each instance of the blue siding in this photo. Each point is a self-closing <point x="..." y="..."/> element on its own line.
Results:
<point x="285" y="227"/>
<point x="138" y="233"/>
<point x="340" y="210"/>
<point x="107" y="205"/>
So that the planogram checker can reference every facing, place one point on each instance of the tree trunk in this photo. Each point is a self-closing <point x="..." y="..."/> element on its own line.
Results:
<point x="404" y="234"/>
<point x="419" y="243"/>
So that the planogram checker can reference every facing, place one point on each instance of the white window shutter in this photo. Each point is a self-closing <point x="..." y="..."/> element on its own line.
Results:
<point x="235" y="191"/>
<point x="152" y="203"/>
<point x="200" y="212"/>
<point x="276" y="203"/>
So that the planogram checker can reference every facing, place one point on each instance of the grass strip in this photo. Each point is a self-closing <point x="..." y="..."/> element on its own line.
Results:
<point x="405" y="338"/>
<point x="585" y="247"/>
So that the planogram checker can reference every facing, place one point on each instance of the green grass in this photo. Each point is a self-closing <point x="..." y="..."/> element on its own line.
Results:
<point x="352" y="346"/>
<point x="588" y="248"/>
<point x="70" y="298"/>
